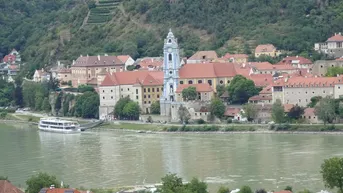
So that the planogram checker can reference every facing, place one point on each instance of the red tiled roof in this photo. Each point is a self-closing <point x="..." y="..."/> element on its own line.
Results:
<point x="309" y="112"/>
<point x="7" y="187"/>
<point x="133" y="77"/>
<point x="123" y="58"/>
<point x="204" y="55"/>
<point x="85" y="61"/>
<point x="199" y="87"/>
<point x="300" y="81"/>
<point x="150" y="63"/>
<point x="260" y="98"/>
<point x="229" y="56"/>
<point x="231" y="112"/>
<point x="266" y="90"/>
<point x="13" y="67"/>
<point x="261" y="80"/>
<point x="336" y="38"/>
<point x="269" y="66"/>
<point x="60" y="190"/>
<point x="265" y="48"/>
<point x="287" y="107"/>
<point x="9" y="58"/>
<point x="339" y="59"/>
<point x="295" y="60"/>
<point x="207" y="70"/>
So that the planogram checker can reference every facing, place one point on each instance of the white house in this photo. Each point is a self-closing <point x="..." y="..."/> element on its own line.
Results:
<point x="127" y="60"/>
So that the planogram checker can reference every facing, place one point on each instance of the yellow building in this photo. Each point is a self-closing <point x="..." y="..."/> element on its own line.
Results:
<point x="267" y="50"/>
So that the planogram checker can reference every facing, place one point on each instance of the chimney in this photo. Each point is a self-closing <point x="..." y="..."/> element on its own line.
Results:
<point x="99" y="57"/>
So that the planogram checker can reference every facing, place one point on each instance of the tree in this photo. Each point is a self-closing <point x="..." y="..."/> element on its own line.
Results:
<point x="289" y="188"/>
<point x="46" y="105"/>
<point x="217" y="108"/>
<point x="155" y="107"/>
<point x="183" y="114"/>
<point x="296" y="112"/>
<point x="314" y="101"/>
<point x="189" y="93"/>
<point x="39" y="181"/>
<point x="250" y="111"/>
<point x="220" y="90"/>
<point x="334" y="71"/>
<point x="261" y="191"/>
<point x="85" y="88"/>
<point x="4" y="178"/>
<point x="245" y="189"/>
<point x="278" y="112"/>
<point x="223" y="189"/>
<point x="196" y="186"/>
<point x="131" y="110"/>
<point x="332" y="172"/>
<point x="90" y="107"/>
<point x="173" y="184"/>
<point x="326" y="110"/>
<point x="58" y="104"/>
<point x="119" y="107"/>
<point x="241" y="89"/>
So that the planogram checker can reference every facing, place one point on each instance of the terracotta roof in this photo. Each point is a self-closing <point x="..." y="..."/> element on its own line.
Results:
<point x="207" y="70"/>
<point x="295" y="60"/>
<point x="59" y="190"/>
<point x="266" y="90"/>
<point x="150" y="63"/>
<point x="300" y="81"/>
<point x="85" y="61"/>
<point x="204" y="55"/>
<point x="283" y="191"/>
<point x="265" y="48"/>
<point x="269" y="66"/>
<point x="144" y="78"/>
<point x="260" y="98"/>
<point x="261" y="80"/>
<point x="199" y="87"/>
<point x="123" y="58"/>
<point x="231" y="112"/>
<point x="309" y="112"/>
<point x="7" y="187"/>
<point x="229" y="56"/>
<point x="336" y="38"/>
<point x="9" y="58"/>
<point x="287" y="107"/>
<point x="13" y="67"/>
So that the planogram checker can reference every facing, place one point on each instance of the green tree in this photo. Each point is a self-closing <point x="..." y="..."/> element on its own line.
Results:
<point x="314" y="101"/>
<point x="278" y="112"/>
<point x="85" y="88"/>
<point x="58" y="104"/>
<point x="183" y="114"/>
<point x="173" y="184"/>
<point x="289" y="188"/>
<point x="332" y="172"/>
<point x="189" y="94"/>
<point x="90" y="107"/>
<point x="296" y="112"/>
<point x="119" y="107"/>
<point x="241" y="89"/>
<point x="217" y="108"/>
<point x="334" y="71"/>
<point x="196" y="186"/>
<point x="223" y="189"/>
<point x="131" y="110"/>
<point x="250" y="111"/>
<point x="326" y="110"/>
<point x="39" y="101"/>
<point x="46" y="105"/>
<point x="261" y="191"/>
<point x="220" y="90"/>
<point x="41" y="180"/>
<point x="155" y="107"/>
<point x="245" y="189"/>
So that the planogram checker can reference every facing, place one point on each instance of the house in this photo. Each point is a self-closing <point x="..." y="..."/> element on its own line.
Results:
<point x="236" y="114"/>
<point x="296" y="62"/>
<point x="320" y="67"/>
<point x="7" y="187"/>
<point x="264" y="97"/>
<point x="52" y="189"/>
<point x="85" y="69"/>
<point x="143" y="87"/>
<point x="205" y="91"/>
<point x="150" y="64"/>
<point x="127" y="60"/>
<point x="236" y="58"/>
<point x="264" y="113"/>
<point x="332" y="47"/>
<point x="41" y="75"/>
<point x="268" y="68"/>
<point x="287" y="107"/>
<point x="202" y="56"/>
<point x="299" y="90"/>
<point x="310" y="117"/>
<point x="64" y="75"/>
<point x="266" y="50"/>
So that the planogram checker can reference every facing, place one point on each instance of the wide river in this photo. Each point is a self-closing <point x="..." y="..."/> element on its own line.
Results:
<point x="116" y="158"/>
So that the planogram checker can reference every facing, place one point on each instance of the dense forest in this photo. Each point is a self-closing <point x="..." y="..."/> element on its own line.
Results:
<point x="46" y="31"/>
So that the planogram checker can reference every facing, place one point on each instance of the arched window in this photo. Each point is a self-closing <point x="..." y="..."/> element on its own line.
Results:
<point x="190" y="82"/>
<point x="170" y="57"/>
<point x="228" y="81"/>
<point x="169" y="41"/>
<point x="199" y="81"/>
<point x="221" y="81"/>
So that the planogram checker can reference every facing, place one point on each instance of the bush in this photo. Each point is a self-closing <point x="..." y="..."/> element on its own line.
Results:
<point x="252" y="129"/>
<point x="329" y="128"/>
<point x="3" y="115"/>
<point x="229" y="129"/>
<point x="283" y="127"/>
<point x="229" y="121"/>
<point x="200" y="121"/>
<point x="172" y="129"/>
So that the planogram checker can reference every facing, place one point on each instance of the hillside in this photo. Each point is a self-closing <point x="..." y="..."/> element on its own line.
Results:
<point x="45" y="31"/>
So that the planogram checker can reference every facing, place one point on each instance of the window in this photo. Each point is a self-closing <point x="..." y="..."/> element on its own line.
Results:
<point x="65" y="75"/>
<point x="170" y="57"/>
<point x="170" y="72"/>
<point x="199" y="81"/>
<point x="121" y="89"/>
<point x="299" y="100"/>
<point x="228" y="81"/>
<point x="103" y="90"/>
<point x="149" y="96"/>
<point x="221" y="82"/>
<point x="157" y="89"/>
<point x="145" y="90"/>
<point x="181" y="82"/>
<point x="111" y="90"/>
<point x="145" y="96"/>
<point x="195" y="114"/>
<point x="148" y="89"/>
<point x="128" y="89"/>
<point x="190" y="82"/>
<point x="169" y="41"/>
<point x="111" y="97"/>
<point x="144" y="102"/>
<point x="153" y="89"/>
<point x="210" y="82"/>
<point x="103" y="97"/>
<point x="158" y="96"/>
<point x="137" y="97"/>
<point x="323" y="91"/>
<point x="149" y="102"/>
<point x="339" y="87"/>
<point x="136" y="91"/>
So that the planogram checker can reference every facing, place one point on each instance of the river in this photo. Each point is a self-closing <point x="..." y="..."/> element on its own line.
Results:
<point x="117" y="158"/>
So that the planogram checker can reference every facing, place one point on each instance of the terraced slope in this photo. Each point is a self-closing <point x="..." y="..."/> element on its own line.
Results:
<point x="103" y="12"/>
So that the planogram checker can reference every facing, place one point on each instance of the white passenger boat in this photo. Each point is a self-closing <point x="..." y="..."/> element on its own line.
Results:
<point x="57" y="125"/>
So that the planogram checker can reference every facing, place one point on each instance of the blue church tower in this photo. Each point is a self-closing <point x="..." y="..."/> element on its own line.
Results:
<point x="171" y="66"/>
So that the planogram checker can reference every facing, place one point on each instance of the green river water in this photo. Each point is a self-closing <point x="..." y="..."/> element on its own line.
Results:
<point x="106" y="159"/>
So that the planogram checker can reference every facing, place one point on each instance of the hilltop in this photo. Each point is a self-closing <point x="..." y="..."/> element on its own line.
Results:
<point x="63" y="29"/>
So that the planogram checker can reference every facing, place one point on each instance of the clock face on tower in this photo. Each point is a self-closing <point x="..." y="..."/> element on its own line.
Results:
<point x="170" y="50"/>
